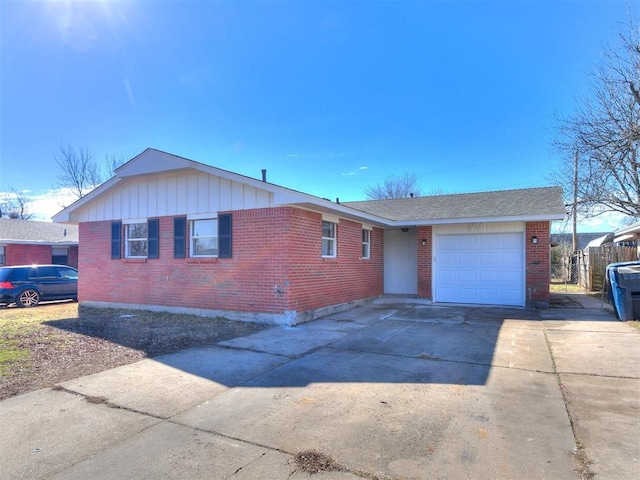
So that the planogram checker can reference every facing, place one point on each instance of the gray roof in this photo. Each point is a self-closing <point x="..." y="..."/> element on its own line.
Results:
<point x="30" y="231"/>
<point x="583" y="238"/>
<point x="528" y="203"/>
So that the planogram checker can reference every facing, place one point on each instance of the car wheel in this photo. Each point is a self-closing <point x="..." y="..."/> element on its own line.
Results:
<point x="28" y="298"/>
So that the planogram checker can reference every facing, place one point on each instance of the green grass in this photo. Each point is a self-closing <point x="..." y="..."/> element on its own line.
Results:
<point x="9" y="355"/>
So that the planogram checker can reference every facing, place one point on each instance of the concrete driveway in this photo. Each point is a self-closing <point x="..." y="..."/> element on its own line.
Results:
<point x="394" y="390"/>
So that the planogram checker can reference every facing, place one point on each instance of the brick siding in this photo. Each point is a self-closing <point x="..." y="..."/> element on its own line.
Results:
<point x="30" y="254"/>
<point x="538" y="263"/>
<point x="276" y="267"/>
<point x="425" y="262"/>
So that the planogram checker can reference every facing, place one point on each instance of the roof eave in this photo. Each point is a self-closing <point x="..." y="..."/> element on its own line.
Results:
<point x="37" y="242"/>
<point x="452" y="221"/>
<point x="66" y="214"/>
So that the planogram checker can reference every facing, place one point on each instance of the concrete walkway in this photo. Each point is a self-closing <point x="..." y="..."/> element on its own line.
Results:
<point x="392" y="390"/>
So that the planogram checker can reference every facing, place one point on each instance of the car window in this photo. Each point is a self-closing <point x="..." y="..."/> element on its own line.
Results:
<point x="33" y="273"/>
<point x="68" y="273"/>
<point x="47" y="272"/>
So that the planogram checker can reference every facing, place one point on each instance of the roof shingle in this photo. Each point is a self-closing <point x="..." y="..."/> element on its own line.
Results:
<point x="530" y="202"/>
<point x="30" y="231"/>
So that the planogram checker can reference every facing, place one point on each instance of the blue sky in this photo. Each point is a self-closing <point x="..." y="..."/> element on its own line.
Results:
<point x="329" y="97"/>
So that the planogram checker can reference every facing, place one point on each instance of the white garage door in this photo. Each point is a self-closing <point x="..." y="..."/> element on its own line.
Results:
<point x="483" y="269"/>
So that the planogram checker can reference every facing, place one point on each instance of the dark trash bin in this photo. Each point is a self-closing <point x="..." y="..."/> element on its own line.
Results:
<point x="623" y="282"/>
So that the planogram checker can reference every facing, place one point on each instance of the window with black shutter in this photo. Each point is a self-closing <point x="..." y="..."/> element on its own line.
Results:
<point x="224" y="235"/>
<point x="153" y="226"/>
<point x="116" y="231"/>
<point x="179" y="237"/>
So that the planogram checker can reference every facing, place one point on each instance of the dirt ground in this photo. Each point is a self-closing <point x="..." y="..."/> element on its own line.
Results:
<point x="55" y="342"/>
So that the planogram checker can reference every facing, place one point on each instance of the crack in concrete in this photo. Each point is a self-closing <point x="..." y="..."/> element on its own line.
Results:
<point x="579" y="453"/>
<point x="105" y="401"/>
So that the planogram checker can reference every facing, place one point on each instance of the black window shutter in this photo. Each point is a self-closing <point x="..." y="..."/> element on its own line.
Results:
<point x="224" y="235"/>
<point x="179" y="237"/>
<point x="154" y="238"/>
<point x="116" y="238"/>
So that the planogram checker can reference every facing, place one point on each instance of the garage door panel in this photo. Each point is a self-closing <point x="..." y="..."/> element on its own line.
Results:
<point x="489" y="276"/>
<point x="448" y="258"/>
<point x="488" y="258"/>
<point x="487" y="241"/>
<point x="466" y="241"/>
<point x="465" y="276"/>
<point x="482" y="268"/>
<point x="466" y="257"/>
<point x="448" y="243"/>
<point x="448" y="276"/>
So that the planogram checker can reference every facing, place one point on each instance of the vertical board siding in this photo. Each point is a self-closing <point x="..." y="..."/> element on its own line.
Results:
<point x="176" y="194"/>
<point x="464" y="228"/>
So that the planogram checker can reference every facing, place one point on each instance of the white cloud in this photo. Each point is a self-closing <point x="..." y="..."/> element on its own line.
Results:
<point x="605" y="222"/>
<point x="43" y="205"/>
<point x="354" y="172"/>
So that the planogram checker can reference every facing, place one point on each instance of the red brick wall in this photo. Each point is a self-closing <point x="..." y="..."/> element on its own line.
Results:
<point x="538" y="262"/>
<point x="425" y="262"/>
<point x="276" y="267"/>
<point x="317" y="281"/>
<point x="18" y="254"/>
<point x="29" y="254"/>
<point x="73" y="256"/>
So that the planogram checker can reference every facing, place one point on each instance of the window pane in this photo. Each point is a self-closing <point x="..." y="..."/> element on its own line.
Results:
<point x="68" y="273"/>
<point x="137" y="230"/>
<point x="205" y="228"/>
<point x="47" y="272"/>
<point x="138" y="248"/>
<point x="205" y="246"/>
<point x="328" y="229"/>
<point x="327" y="248"/>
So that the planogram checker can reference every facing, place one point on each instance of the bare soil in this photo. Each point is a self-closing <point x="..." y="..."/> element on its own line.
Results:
<point x="52" y="343"/>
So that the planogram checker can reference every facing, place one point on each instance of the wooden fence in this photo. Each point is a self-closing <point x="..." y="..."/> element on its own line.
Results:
<point x="592" y="263"/>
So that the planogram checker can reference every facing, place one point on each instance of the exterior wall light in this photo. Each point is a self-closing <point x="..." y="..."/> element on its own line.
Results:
<point x="534" y="239"/>
<point x="424" y="242"/>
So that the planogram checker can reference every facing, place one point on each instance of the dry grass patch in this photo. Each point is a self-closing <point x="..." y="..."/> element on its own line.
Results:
<point x="52" y="343"/>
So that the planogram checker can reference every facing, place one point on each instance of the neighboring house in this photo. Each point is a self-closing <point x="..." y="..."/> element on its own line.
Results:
<point x="26" y="242"/>
<point x="169" y="233"/>
<point x="628" y="235"/>
<point x="566" y="239"/>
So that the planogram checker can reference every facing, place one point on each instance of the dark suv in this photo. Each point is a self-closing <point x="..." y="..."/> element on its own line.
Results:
<point x="28" y="285"/>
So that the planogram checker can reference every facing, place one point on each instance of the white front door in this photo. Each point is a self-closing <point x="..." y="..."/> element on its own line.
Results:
<point x="480" y="268"/>
<point x="401" y="262"/>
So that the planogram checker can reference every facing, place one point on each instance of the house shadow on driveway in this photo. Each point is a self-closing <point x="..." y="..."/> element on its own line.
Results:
<point x="388" y="341"/>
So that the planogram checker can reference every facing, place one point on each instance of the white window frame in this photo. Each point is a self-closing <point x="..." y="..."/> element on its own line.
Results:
<point x="193" y="238"/>
<point x="128" y="241"/>
<point x="331" y="241"/>
<point x="3" y="254"/>
<point x="366" y="244"/>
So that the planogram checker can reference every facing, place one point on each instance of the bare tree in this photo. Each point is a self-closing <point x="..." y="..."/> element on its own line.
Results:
<point x="78" y="171"/>
<point x="113" y="162"/>
<point x="401" y="186"/>
<point x="15" y="205"/>
<point x="600" y="141"/>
